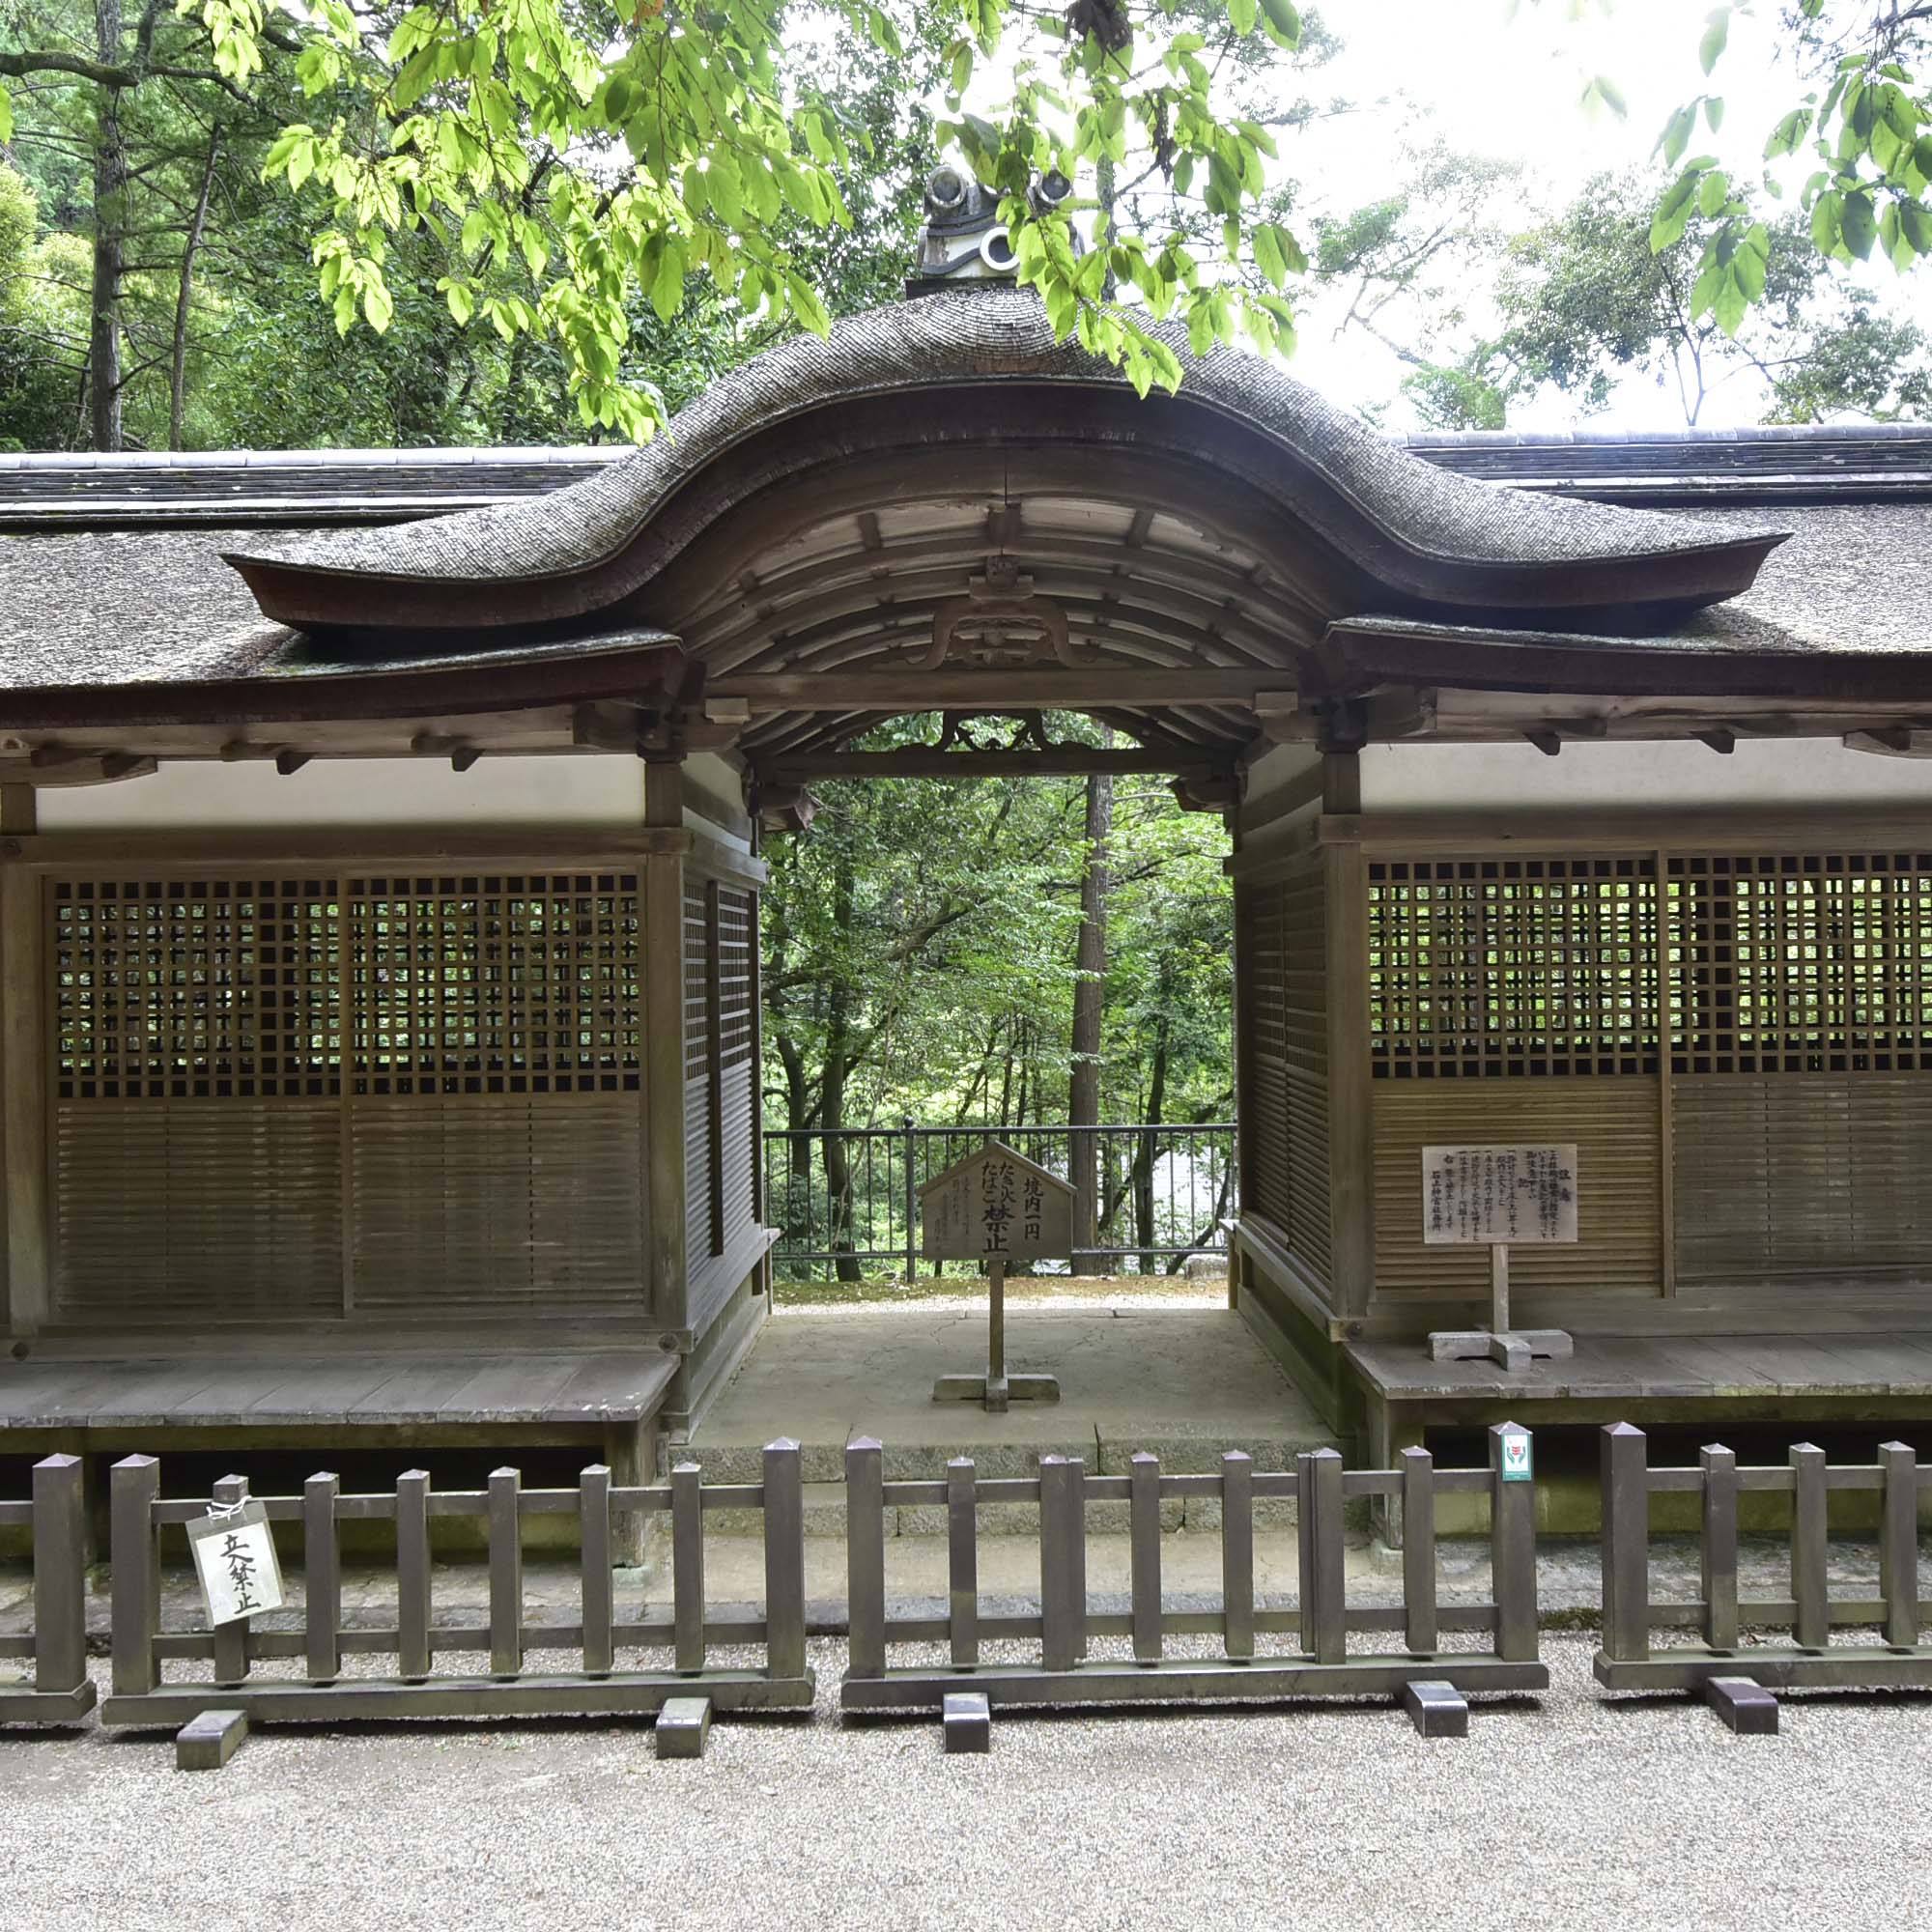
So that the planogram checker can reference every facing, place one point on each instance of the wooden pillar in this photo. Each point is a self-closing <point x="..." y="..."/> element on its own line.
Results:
<point x="663" y="962"/>
<point x="1351" y="1138"/>
<point x="26" y="1260"/>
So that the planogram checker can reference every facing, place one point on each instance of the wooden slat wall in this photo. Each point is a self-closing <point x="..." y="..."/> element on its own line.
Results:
<point x="1284" y="1053"/>
<point x="518" y="1205"/>
<point x="183" y="1210"/>
<point x="1614" y="1122"/>
<point x="737" y="1149"/>
<point x="1803" y="1174"/>
<point x="699" y="1127"/>
<point x="438" y="1074"/>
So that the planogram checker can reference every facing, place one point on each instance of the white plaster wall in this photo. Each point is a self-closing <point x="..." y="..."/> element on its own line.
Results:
<point x="580" y="790"/>
<point x="1638" y="777"/>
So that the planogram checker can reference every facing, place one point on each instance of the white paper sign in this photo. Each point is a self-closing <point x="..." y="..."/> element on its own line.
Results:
<point x="1499" y="1196"/>
<point x="234" y="1558"/>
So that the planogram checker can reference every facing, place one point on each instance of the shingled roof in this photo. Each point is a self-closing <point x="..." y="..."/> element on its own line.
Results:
<point x="1430" y="521"/>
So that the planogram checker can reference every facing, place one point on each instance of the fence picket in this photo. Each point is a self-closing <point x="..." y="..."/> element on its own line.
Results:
<point x="962" y="1560"/>
<point x="1721" y="1546"/>
<point x="593" y="1526"/>
<point x="1319" y="1500"/>
<point x="686" y="1565"/>
<point x="1237" y="1554"/>
<point x="1512" y="1553"/>
<point x="865" y="1556"/>
<point x="1063" y="1561"/>
<point x="1626" y="1518"/>
<point x="784" y="1560"/>
<point x="231" y="1639"/>
<point x="60" y="1576"/>
<point x="1809" y="1579"/>
<point x="506" y="1574"/>
<point x="1144" y="1540"/>
<point x="322" y="1577"/>
<point x="1421" y="1625"/>
<point x="135" y="1552"/>
<point x="1899" y="1544"/>
<point x="413" y="1605"/>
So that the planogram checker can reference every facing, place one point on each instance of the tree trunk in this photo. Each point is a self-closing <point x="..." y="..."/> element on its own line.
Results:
<point x="177" y="381"/>
<point x="831" y="1094"/>
<point x="110" y="218"/>
<point x="1083" y="1086"/>
<point x="1146" y="1153"/>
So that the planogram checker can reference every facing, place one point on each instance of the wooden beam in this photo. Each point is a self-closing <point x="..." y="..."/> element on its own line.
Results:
<point x="57" y="765"/>
<point x="906" y="688"/>
<point x="1718" y="738"/>
<point x="928" y="762"/>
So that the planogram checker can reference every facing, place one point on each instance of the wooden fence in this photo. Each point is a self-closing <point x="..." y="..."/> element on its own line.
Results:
<point x="1811" y="1614"/>
<point x="142" y="1695"/>
<point x="60" y="1691"/>
<point x="1242" y="1669"/>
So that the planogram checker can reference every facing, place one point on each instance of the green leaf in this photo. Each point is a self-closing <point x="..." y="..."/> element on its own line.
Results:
<point x="1268" y="255"/>
<point x="1915" y="223"/>
<point x="1788" y="133"/>
<point x="1826" y="232"/>
<point x="1243" y="15"/>
<point x="6" y="117"/>
<point x="1284" y="23"/>
<point x="378" y="305"/>
<point x="1676" y="135"/>
<point x="1716" y="33"/>
<point x="1730" y="307"/>
<point x="667" y="290"/>
<point x="1859" y="225"/>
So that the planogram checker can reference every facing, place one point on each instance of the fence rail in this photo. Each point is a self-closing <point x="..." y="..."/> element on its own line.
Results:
<point x="849" y="1196"/>
<point x="142" y="1694"/>
<point x="60" y="1690"/>
<point x="1064" y="1624"/>
<point x="1626" y="1661"/>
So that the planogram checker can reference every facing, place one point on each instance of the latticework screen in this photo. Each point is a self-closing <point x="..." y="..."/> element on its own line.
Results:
<point x="1498" y="967"/>
<point x="282" y="1095"/>
<point x="495" y="984"/>
<point x="738" y="1152"/>
<point x="1813" y="963"/>
<point x="196" y="988"/>
<point x="720" y="1116"/>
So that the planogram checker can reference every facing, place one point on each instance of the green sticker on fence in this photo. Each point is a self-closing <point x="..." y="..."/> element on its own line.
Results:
<point x="1516" y="1458"/>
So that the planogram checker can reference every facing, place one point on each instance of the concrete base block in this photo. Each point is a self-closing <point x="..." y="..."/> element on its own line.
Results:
<point x="1743" y="1704"/>
<point x="967" y="1719"/>
<point x="1436" y="1710"/>
<point x="684" y="1727"/>
<point x="1512" y="1350"/>
<point x="208" y="1742"/>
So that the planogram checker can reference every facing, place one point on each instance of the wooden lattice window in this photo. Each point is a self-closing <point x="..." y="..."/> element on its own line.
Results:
<point x="734" y="977"/>
<point x="1802" y="963"/>
<point x="196" y="988"/>
<point x="1504" y="967"/>
<point x="495" y="984"/>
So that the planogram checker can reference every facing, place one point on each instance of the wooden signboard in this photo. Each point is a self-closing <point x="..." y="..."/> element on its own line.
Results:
<point x="1498" y="1198"/>
<point x="1489" y="1195"/>
<point x="996" y="1206"/>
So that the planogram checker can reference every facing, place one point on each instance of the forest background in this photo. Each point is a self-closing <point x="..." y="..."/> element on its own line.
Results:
<point x="1022" y="951"/>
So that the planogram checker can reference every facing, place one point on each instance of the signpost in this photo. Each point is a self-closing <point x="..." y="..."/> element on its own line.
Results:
<point x="1499" y="1197"/>
<point x="996" y="1206"/>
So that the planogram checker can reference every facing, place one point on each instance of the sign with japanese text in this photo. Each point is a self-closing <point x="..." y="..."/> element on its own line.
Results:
<point x="234" y="1558"/>
<point x="995" y="1206"/>
<point x="1499" y="1196"/>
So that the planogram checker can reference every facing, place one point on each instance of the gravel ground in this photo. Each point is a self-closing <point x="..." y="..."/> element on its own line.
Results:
<point x="1564" y="1811"/>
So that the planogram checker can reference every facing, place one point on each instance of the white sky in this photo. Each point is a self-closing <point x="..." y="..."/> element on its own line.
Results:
<point x="1488" y="78"/>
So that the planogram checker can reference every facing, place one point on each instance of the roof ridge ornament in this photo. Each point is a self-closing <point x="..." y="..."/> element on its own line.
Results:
<point x="964" y="240"/>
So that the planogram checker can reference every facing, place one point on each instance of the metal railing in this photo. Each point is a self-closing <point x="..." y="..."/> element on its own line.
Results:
<point x="1811" y="1614"/>
<point x="673" y="1652"/>
<point x="1264" y="1651"/>
<point x="846" y="1199"/>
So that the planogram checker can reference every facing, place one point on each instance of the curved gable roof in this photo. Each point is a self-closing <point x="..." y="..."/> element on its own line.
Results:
<point x="1432" y="538"/>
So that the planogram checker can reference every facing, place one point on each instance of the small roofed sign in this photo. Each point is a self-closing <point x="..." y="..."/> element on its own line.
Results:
<point x="1499" y="1196"/>
<point x="234" y="1559"/>
<point x="995" y="1204"/>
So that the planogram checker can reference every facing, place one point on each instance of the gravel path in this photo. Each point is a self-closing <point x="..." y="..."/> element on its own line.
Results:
<point x="1563" y="1812"/>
